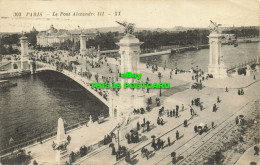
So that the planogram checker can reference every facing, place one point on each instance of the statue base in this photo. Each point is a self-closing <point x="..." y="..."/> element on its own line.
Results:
<point x="249" y="72"/>
<point x="62" y="157"/>
<point x="218" y="71"/>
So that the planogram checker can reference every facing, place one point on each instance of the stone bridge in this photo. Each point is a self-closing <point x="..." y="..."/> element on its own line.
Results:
<point x="83" y="81"/>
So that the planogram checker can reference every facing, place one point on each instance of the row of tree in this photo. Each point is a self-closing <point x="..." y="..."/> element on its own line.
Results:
<point x="7" y="50"/>
<point x="152" y="39"/>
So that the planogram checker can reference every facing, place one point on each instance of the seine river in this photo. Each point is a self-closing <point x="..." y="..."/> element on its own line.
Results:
<point x="34" y="106"/>
<point x="231" y="56"/>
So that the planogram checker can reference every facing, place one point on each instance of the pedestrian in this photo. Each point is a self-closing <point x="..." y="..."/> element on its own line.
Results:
<point x="158" y="121"/>
<point x="144" y="120"/>
<point x="153" y="144"/>
<point x="214" y="108"/>
<point x="182" y="107"/>
<point x="138" y="126"/>
<point x="238" y="92"/>
<point x="212" y="124"/>
<point x="68" y="138"/>
<point x="256" y="150"/>
<point x="195" y="129"/>
<point x="237" y="121"/>
<point x="105" y="140"/>
<point x="158" y="143"/>
<point x="218" y="100"/>
<point x="148" y="127"/>
<point x="192" y="102"/>
<point x="169" y="141"/>
<point x="171" y="113"/>
<point x="177" y="135"/>
<point x="226" y="89"/>
<point x="201" y="107"/>
<point x="113" y="150"/>
<point x="254" y="77"/>
<point x="177" y="113"/>
<point x="185" y="123"/>
<point x="161" y="121"/>
<point x="147" y="154"/>
<point x="162" y="143"/>
<point x="191" y="111"/>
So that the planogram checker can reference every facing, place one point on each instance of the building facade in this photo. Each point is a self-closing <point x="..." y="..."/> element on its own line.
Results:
<point x="53" y="35"/>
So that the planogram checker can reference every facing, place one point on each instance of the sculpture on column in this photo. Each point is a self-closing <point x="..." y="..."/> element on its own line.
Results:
<point x="130" y="54"/>
<point x="129" y="27"/>
<point x="214" y="27"/>
<point x="61" y="144"/>
<point x="216" y="65"/>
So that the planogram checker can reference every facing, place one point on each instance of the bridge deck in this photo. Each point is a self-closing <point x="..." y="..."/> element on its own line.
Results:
<point x="84" y="82"/>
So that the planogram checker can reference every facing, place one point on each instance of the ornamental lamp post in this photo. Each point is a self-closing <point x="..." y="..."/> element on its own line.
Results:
<point x="197" y="73"/>
<point x="118" y="129"/>
<point x="160" y="76"/>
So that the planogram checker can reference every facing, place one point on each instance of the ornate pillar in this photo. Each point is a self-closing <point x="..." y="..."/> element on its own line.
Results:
<point x="216" y="65"/>
<point x="129" y="51"/>
<point x="24" y="51"/>
<point x="83" y="39"/>
<point x="61" y="144"/>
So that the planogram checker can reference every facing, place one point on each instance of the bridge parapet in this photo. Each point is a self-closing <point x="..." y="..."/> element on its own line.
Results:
<point x="83" y="81"/>
<point x="242" y="65"/>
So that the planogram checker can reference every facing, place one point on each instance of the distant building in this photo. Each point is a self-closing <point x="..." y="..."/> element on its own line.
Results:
<point x="53" y="35"/>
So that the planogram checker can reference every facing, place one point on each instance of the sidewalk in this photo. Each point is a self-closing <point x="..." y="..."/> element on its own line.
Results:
<point x="44" y="154"/>
<point x="145" y="138"/>
<point x="248" y="158"/>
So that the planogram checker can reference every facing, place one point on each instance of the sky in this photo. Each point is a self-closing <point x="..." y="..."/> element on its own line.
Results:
<point x="144" y="13"/>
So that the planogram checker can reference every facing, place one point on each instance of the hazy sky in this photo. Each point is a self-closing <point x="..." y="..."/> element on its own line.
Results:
<point x="144" y="13"/>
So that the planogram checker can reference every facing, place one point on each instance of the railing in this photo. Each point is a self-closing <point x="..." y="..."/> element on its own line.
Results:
<point x="25" y="142"/>
<point x="240" y="65"/>
<point x="78" y="77"/>
<point x="90" y="148"/>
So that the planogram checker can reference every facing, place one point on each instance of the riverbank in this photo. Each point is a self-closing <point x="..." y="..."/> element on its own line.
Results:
<point x="11" y="74"/>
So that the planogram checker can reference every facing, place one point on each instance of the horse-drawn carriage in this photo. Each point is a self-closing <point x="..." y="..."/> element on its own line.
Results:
<point x="202" y="128"/>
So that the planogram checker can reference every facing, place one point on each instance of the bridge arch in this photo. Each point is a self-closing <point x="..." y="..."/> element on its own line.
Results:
<point x="84" y="82"/>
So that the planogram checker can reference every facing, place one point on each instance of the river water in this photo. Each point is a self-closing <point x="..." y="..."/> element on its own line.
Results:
<point x="34" y="106"/>
<point x="231" y="56"/>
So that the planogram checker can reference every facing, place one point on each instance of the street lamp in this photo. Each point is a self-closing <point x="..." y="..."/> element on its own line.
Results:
<point x="160" y="76"/>
<point x="197" y="73"/>
<point x="118" y="128"/>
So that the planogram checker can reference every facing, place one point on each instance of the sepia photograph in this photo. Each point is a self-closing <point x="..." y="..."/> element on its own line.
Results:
<point x="129" y="82"/>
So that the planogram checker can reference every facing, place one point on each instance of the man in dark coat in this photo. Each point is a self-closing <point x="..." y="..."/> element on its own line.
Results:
<point x="256" y="150"/>
<point x="138" y="126"/>
<point x="177" y="135"/>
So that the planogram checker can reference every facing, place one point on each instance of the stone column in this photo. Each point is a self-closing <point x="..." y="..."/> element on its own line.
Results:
<point x="83" y="39"/>
<point x="216" y="65"/>
<point x="24" y="51"/>
<point x="61" y="154"/>
<point x="129" y="51"/>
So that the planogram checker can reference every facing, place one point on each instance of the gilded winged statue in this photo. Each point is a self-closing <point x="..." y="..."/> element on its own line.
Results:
<point x="214" y="27"/>
<point x="129" y="27"/>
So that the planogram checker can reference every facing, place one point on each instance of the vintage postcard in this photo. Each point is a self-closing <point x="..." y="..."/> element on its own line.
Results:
<point x="115" y="82"/>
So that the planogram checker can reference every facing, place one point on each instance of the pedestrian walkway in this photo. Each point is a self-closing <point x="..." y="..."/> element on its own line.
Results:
<point x="44" y="154"/>
<point x="248" y="158"/>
